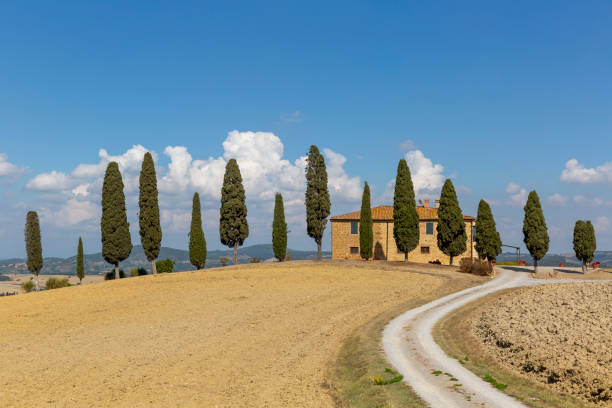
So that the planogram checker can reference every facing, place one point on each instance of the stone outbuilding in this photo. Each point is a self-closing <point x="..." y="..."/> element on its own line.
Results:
<point x="345" y="236"/>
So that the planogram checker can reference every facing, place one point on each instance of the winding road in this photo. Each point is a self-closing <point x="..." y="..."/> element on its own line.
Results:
<point x="411" y="349"/>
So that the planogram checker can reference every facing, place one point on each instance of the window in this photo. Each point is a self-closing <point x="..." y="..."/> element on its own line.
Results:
<point x="424" y="250"/>
<point x="354" y="227"/>
<point x="473" y="232"/>
<point x="429" y="228"/>
<point x="354" y="250"/>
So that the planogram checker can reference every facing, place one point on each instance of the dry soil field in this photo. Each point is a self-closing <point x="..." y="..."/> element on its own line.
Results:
<point x="253" y="336"/>
<point x="559" y="335"/>
<point x="14" y="285"/>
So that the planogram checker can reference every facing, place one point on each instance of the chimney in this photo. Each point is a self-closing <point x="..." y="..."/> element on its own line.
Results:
<point x="437" y="202"/>
<point x="426" y="203"/>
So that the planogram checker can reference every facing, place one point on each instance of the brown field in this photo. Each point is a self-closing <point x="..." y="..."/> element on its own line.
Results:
<point x="265" y="335"/>
<point x="558" y="335"/>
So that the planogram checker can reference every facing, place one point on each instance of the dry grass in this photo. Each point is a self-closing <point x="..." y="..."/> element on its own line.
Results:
<point x="251" y="336"/>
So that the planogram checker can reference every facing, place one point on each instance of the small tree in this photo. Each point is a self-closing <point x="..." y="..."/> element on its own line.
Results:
<point x="584" y="243"/>
<point x="233" y="226"/>
<point x="33" y="246"/>
<point x="197" y="242"/>
<point x="80" y="264"/>
<point x="405" y="217"/>
<point x="150" y="227"/>
<point x="116" y="238"/>
<point x="488" y="242"/>
<point x="366" y="234"/>
<point x="534" y="229"/>
<point x="452" y="237"/>
<point x="317" y="201"/>
<point x="279" y="229"/>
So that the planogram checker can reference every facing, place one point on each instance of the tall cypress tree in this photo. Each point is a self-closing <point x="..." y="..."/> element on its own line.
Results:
<point x="279" y="229"/>
<point x="80" y="263"/>
<point x="33" y="245"/>
<point x="366" y="234"/>
<point x="452" y="237"/>
<point x="116" y="238"/>
<point x="534" y="229"/>
<point x="233" y="226"/>
<point x="150" y="227"/>
<point x="584" y="242"/>
<point x="592" y="239"/>
<point x="488" y="242"/>
<point x="197" y="242"/>
<point x="317" y="201"/>
<point x="405" y="217"/>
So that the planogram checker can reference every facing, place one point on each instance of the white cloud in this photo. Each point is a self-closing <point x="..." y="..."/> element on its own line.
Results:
<point x="8" y="169"/>
<point x="575" y="172"/>
<point x="70" y="213"/>
<point x="602" y="224"/>
<point x="52" y="181"/>
<point x="175" y="220"/>
<point x="516" y="194"/>
<point x="81" y="190"/>
<point x="425" y="175"/>
<point x="341" y="185"/>
<point x="558" y="199"/>
<point x="407" y="145"/>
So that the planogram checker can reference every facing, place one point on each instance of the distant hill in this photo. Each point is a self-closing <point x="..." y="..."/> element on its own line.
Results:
<point x="604" y="257"/>
<point x="94" y="263"/>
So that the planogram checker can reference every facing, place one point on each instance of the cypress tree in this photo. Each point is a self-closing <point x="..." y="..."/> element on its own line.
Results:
<point x="488" y="242"/>
<point x="116" y="238"/>
<point x="33" y="245"/>
<point x="534" y="229"/>
<point x="279" y="229"/>
<point x="366" y="234"/>
<point x="233" y="226"/>
<point x="592" y="239"/>
<point x="150" y="228"/>
<point x="197" y="242"/>
<point x="317" y="201"/>
<point x="405" y="217"/>
<point x="452" y="237"/>
<point x="80" y="263"/>
<point x="584" y="242"/>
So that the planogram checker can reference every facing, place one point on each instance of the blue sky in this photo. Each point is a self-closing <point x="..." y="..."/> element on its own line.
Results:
<point x="499" y="96"/>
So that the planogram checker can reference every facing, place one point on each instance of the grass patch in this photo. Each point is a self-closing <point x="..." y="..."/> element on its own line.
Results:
<point x="453" y="334"/>
<point x="352" y="380"/>
<point x="494" y="382"/>
<point x="436" y="372"/>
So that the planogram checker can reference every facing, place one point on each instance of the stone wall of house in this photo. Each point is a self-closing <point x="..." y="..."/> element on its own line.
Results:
<point x="384" y="243"/>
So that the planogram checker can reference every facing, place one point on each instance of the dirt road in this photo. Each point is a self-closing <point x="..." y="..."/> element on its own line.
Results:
<point x="254" y="336"/>
<point x="409" y="346"/>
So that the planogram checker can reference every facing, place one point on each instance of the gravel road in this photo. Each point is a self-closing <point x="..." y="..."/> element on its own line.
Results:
<point x="409" y="346"/>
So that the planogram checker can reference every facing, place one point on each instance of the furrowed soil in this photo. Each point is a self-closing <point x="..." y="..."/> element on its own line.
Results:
<point x="263" y="335"/>
<point x="559" y="335"/>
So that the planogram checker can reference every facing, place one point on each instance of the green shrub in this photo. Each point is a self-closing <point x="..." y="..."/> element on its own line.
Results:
<point x="111" y="275"/>
<point x="54" y="283"/>
<point x="288" y="256"/>
<point x="27" y="286"/>
<point x="507" y="263"/>
<point x="255" y="260"/>
<point x="138" y="272"/>
<point x="224" y="260"/>
<point x="165" y="266"/>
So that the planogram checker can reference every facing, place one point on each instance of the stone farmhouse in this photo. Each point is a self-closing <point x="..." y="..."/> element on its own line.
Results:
<point x="345" y="236"/>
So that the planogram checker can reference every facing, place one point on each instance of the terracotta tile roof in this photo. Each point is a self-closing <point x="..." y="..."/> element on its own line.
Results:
<point x="385" y="213"/>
